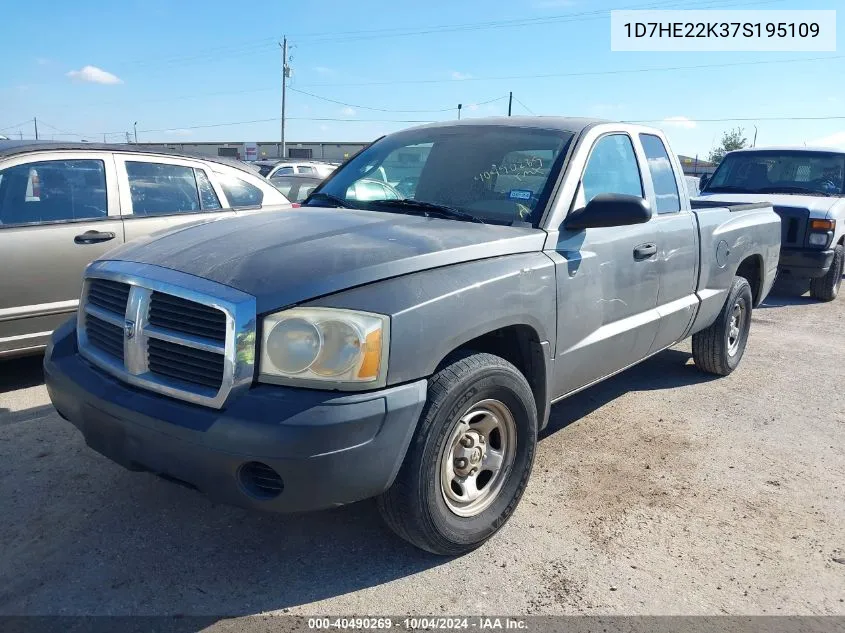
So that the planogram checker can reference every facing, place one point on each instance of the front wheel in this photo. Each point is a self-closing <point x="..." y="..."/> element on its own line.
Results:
<point x="719" y="348"/>
<point x="827" y="287"/>
<point x="469" y="461"/>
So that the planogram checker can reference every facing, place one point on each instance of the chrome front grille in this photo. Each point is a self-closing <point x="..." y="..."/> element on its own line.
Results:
<point x="185" y="363"/>
<point x="188" y="317"/>
<point x="167" y="332"/>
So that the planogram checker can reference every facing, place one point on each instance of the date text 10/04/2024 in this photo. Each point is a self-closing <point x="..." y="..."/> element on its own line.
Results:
<point x="416" y="623"/>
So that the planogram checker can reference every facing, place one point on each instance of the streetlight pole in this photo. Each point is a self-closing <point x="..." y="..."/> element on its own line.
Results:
<point x="460" y="105"/>
<point x="135" y="127"/>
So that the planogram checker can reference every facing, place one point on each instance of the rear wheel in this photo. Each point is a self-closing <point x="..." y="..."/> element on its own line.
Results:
<point x="826" y="288"/>
<point x="469" y="461"/>
<point x="719" y="348"/>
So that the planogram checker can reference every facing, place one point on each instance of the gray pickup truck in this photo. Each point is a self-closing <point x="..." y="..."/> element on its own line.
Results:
<point x="408" y="349"/>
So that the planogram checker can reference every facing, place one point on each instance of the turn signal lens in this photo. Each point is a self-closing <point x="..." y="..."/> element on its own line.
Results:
<point x="823" y="225"/>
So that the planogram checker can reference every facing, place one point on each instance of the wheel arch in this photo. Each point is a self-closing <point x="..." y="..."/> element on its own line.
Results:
<point x="520" y="345"/>
<point x="751" y="268"/>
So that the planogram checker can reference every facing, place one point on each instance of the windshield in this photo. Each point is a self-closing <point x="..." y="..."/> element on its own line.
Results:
<point x="780" y="171"/>
<point x="497" y="174"/>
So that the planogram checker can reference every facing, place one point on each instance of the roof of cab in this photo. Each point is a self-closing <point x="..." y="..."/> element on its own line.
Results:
<point x="790" y="148"/>
<point x="13" y="148"/>
<point x="565" y="124"/>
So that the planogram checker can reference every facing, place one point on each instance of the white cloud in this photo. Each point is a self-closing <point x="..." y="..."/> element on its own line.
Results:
<point x="179" y="132"/>
<point x="679" y="121"/>
<point x="42" y="61"/>
<point x="836" y="139"/>
<point x="459" y="76"/>
<point x="324" y="128"/>
<point x="324" y="70"/>
<point x="94" y="75"/>
<point x="472" y="106"/>
<point x="347" y="111"/>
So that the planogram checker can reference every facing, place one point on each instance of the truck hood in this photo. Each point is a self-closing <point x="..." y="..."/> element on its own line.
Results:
<point x="286" y="257"/>
<point x="818" y="206"/>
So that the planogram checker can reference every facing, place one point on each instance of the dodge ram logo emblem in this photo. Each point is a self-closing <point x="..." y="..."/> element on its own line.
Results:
<point x="129" y="328"/>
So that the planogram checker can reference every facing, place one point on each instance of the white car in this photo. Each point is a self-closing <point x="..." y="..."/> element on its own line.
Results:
<point x="304" y="168"/>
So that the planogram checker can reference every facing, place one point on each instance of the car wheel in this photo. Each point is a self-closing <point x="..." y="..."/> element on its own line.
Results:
<point x="469" y="461"/>
<point x="826" y="288"/>
<point x="719" y="348"/>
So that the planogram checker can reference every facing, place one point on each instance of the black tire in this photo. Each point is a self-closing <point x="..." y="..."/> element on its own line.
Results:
<point x="711" y="348"/>
<point x="826" y="288"/>
<point x="414" y="506"/>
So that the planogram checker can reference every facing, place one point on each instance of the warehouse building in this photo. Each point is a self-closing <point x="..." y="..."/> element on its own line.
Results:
<point x="264" y="150"/>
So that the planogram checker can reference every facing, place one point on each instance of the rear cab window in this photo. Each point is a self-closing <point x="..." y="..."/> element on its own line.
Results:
<point x="51" y="191"/>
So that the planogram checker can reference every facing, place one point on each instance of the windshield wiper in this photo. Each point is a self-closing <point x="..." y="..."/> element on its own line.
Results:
<point x="343" y="204"/>
<point x="787" y="189"/>
<point x="728" y="188"/>
<point x="429" y="209"/>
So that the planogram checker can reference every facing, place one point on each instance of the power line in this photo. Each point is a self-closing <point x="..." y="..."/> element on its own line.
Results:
<point x="23" y="123"/>
<point x="584" y="73"/>
<point x="523" y="105"/>
<point x="362" y="107"/>
<point x="512" y="23"/>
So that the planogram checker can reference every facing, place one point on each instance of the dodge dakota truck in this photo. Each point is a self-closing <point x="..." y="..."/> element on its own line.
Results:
<point x="408" y="349"/>
<point x="807" y="190"/>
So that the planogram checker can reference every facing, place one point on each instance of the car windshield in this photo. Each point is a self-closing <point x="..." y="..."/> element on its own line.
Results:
<point x="780" y="171"/>
<point x="493" y="173"/>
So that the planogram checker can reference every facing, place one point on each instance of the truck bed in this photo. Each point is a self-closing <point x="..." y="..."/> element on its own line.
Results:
<point x="712" y="204"/>
<point x="728" y="235"/>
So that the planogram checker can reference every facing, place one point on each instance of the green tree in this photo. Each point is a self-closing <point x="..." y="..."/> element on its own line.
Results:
<point x="731" y="140"/>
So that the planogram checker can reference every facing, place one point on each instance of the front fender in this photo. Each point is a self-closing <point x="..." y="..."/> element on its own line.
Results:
<point x="436" y="311"/>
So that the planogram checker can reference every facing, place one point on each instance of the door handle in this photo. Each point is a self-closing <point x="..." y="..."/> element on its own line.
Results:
<point x="92" y="237"/>
<point x="644" y="251"/>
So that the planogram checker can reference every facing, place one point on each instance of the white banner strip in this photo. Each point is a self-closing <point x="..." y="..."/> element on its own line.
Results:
<point x="700" y="31"/>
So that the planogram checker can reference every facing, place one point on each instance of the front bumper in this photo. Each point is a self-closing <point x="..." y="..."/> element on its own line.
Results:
<point x="328" y="448"/>
<point x="805" y="262"/>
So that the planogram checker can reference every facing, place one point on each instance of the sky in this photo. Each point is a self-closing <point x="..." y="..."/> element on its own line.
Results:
<point x="211" y="71"/>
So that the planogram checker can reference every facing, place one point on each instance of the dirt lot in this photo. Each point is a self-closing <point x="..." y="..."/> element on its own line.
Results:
<point x="660" y="491"/>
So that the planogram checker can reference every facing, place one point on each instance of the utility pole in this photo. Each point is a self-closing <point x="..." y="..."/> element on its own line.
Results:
<point x="754" y="142"/>
<point x="35" y="121"/>
<point x="510" y="102"/>
<point x="104" y="137"/>
<point x="285" y="75"/>
<point x="460" y="105"/>
<point x="135" y="128"/>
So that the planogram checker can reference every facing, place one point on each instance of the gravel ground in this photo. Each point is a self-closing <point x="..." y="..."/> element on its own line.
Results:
<point x="660" y="491"/>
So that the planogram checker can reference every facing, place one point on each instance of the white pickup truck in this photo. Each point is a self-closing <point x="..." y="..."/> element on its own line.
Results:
<point x="807" y="190"/>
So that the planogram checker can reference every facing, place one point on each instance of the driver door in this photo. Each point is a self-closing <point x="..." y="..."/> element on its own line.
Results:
<point x="607" y="277"/>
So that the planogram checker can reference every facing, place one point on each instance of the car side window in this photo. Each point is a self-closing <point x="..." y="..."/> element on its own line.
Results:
<point x="162" y="189"/>
<point x="208" y="198"/>
<point x="239" y="192"/>
<point x="53" y="191"/>
<point x="305" y="169"/>
<point x="284" y="171"/>
<point x="612" y="168"/>
<point x="662" y="174"/>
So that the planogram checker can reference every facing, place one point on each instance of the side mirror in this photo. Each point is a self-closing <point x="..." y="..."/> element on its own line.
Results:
<point x="702" y="183"/>
<point x="610" y="209"/>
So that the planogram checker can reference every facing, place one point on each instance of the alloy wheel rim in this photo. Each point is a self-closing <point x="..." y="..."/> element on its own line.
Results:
<point x="477" y="457"/>
<point x="735" y="328"/>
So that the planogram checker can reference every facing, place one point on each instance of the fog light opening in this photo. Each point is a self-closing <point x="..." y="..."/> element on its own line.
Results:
<point x="260" y="481"/>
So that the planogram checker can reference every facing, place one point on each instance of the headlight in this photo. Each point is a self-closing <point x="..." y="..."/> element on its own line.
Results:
<point x="819" y="239"/>
<point x="325" y="348"/>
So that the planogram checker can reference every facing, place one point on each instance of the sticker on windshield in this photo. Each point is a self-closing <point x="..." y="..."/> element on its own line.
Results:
<point x="521" y="194"/>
